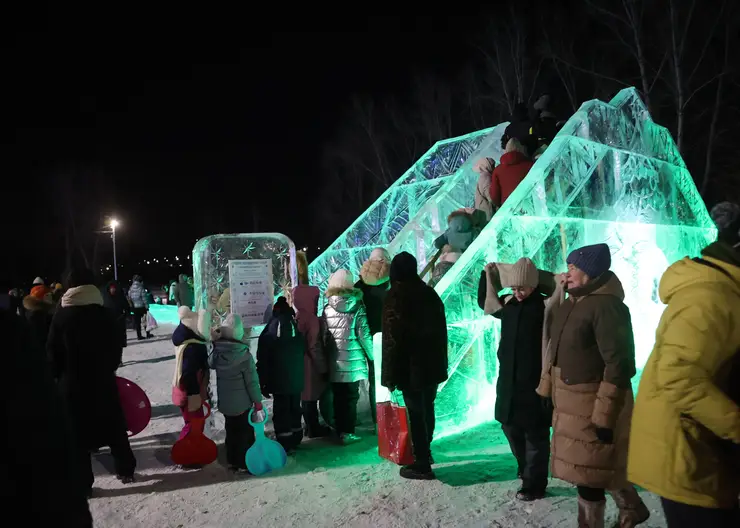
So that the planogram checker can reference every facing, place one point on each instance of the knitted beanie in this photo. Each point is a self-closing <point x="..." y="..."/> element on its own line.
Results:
<point x="37" y="281"/>
<point x="522" y="273"/>
<point x="39" y="292"/>
<point x="380" y="254"/>
<point x="341" y="280"/>
<point x="233" y="327"/>
<point x="592" y="260"/>
<point x="726" y="216"/>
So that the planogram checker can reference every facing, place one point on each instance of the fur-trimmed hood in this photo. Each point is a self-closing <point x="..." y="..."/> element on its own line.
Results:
<point x="33" y="304"/>
<point x="82" y="296"/>
<point x="344" y="300"/>
<point x="375" y="272"/>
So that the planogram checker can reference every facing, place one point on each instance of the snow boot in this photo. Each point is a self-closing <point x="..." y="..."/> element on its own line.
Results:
<point x="632" y="511"/>
<point x="417" y="471"/>
<point x="349" y="438"/>
<point x="591" y="514"/>
<point x="530" y="494"/>
<point x="313" y="428"/>
<point x="126" y="479"/>
<point x="297" y="438"/>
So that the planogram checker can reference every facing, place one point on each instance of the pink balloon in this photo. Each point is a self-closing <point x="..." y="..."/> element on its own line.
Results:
<point x="136" y="406"/>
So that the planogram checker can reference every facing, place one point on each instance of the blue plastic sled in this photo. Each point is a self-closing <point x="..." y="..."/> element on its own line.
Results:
<point x="265" y="455"/>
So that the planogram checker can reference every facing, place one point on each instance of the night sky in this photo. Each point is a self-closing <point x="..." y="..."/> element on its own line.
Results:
<point x="181" y="123"/>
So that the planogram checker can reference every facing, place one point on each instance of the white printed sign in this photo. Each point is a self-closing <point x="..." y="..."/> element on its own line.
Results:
<point x="251" y="289"/>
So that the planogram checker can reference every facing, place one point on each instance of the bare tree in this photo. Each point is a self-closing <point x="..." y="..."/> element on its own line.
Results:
<point x="718" y="103"/>
<point x="512" y="70"/>
<point x="629" y="15"/>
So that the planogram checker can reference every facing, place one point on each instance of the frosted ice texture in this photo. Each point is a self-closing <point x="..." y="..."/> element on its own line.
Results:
<point x="611" y="175"/>
<point x="211" y="256"/>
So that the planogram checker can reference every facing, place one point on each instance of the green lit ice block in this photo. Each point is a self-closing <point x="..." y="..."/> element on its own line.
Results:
<point x="611" y="175"/>
<point x="211" y="256"/>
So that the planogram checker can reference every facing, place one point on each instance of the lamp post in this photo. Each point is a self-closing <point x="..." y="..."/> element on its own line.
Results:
<point x="113" y="225"/>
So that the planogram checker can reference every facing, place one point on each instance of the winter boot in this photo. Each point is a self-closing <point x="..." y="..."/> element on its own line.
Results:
<point x="591" y="514"/>
<point x="632" y="511"/>
<point x="417" y="471"/>
<point x="311" y="416"/>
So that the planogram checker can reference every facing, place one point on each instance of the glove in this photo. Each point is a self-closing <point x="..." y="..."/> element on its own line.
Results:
<point x="195" y="402"/>
<point x="258" y="406"/>
<point x="605" y="435"/>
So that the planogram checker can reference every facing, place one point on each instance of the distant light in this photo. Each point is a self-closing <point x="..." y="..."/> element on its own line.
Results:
<point x="114" y="223"/>
<point x="177" y="258"/>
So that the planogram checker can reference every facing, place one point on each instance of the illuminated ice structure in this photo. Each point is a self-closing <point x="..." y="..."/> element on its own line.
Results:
<point x="611" y="175"/>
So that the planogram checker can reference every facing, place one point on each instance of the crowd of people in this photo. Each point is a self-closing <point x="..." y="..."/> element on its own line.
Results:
<point x="566" y="359"/>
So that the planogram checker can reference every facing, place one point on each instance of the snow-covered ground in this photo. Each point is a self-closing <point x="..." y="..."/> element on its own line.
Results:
<point x="323" y="485"/>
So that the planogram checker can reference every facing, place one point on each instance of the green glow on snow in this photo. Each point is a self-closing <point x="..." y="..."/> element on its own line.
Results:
<point x="611" y="175"/>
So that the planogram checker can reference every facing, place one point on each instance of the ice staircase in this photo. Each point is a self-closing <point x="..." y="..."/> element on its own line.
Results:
<point x="611" y="175"/>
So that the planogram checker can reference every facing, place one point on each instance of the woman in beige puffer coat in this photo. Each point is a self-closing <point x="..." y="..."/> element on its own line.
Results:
<point x="589" y="364"/>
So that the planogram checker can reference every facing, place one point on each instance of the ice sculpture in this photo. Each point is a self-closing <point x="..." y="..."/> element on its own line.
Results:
<point x="611" y="175"/>
<point x="244" y="271"/>
<point x="413" y="211"/>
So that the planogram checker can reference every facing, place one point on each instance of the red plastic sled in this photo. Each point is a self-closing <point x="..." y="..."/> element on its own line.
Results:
<point x="394" y="440"/>
<point x="196" y="449"/>
<point x="135" y="405"/>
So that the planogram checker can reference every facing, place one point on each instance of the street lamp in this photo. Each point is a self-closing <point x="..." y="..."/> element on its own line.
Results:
<point x="113" y="226"/>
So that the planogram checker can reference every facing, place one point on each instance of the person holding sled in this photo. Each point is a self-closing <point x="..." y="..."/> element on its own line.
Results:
<point x="238" y="389"/>
<point x="84" y="349"/>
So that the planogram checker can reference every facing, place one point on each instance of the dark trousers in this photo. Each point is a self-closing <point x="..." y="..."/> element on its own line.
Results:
<point x="346" y="396"/>
<point x="326" y="406"/>
<point x="124" y="461"/>
<point x="371" y="391"/>
<point x="420" y="405"/>
<point x="591" y="494"/>
<point x="531" y="448"/>
<point x="138" y="314"/>
<point x="239" y="438"/>
<point x="679" y="515"/>
<point x="286" y="417"/>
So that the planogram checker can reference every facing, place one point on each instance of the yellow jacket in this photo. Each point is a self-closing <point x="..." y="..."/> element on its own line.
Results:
<point x="685" y="429"/>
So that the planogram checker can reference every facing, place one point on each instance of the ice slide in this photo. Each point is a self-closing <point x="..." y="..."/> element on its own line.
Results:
<point x="611" y="175"/>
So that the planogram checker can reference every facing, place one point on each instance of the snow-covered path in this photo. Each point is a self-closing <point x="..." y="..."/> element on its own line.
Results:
<point x="323" y="485"/>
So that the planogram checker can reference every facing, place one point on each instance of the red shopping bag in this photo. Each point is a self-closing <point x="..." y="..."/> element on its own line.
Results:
<point x="394" y="440"/>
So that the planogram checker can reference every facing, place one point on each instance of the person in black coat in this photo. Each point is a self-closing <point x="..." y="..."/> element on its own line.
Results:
<point x="38" y="310"/>
<point x="280" y="369"/>
<point x="39" y="475"/>
<point x="525" y="417"/>
<point x="414" y="355"/>
<point x="520" y="128"/>
<point x="84" y="350"/>
<point x="115" y="301"/>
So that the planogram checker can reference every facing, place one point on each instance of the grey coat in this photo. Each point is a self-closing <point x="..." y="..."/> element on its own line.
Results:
<point x="348" y="341"/>
<point x="237" y="384"/>
<point x="137" y="295"/>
